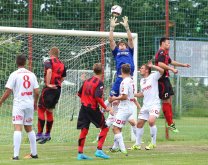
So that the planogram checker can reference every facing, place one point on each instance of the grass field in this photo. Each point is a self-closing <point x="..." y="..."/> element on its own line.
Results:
<point x="188" y="147"/>
<point x="167" y="153"/>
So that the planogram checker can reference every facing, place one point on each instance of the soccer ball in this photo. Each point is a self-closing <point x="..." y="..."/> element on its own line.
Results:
<point x="116" y="10"/>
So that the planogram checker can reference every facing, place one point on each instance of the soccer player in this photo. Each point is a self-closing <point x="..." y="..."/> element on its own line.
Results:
<point x="123" y="54"/>
<point x="55" y="72"/>
<point x="91" y="94"/>
<point x="24" y="86"/>
<point x="125" y="107"/>
<point x="151" y="104"/>
<point x="162" y="59"/>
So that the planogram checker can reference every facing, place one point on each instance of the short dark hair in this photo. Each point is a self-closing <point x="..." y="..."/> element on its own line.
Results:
<point x="97" y="68"/>
<point x="163" y="39"/>
<point x="122" y="41"/>
<point x="21" y="60"/>
<point x="148" y="68"/>
<point x="126" y="69"/>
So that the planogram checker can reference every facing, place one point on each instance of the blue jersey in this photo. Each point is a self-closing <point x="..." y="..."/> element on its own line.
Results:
<point x="123" y="57"/>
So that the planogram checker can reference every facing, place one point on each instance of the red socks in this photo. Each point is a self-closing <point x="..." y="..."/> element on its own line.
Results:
<point x="102" y="137"/>
<point x="81" y="140"/>
<point x="41" y="120"/>
<point x="167" y="110"/>
<point x="49" y="123"/>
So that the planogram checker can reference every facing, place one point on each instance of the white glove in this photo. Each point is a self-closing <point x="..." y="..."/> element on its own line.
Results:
<point x="125" y="22"/>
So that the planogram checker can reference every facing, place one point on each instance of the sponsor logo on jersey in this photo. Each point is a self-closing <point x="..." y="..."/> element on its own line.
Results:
<point x="26" y="93"/>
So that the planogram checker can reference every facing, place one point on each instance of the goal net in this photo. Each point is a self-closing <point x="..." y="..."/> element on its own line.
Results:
<point x="79" y="50"/>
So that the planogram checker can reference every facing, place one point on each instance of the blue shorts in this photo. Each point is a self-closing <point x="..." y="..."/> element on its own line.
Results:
<point x="116" y="87"/>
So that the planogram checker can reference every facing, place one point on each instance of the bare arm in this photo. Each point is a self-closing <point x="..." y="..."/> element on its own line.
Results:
<point x="175" y="63"/>
<point x="139" y="95"/>
<point x="48" y="79"/>
<point x="166" y="67"/>
<point x="161" y="70"/>
<point x="5" y="95"/>
<point x="36" y="94"/>
<point x="137" y="104"/>
<point x="126" y="26"/>
<point x="120" y="97"/>
<point x="113" y="24"/>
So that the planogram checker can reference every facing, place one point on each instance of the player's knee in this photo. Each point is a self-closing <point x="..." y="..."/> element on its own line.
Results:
<point x="132" y="122"/>
<point x="140" y="124"/>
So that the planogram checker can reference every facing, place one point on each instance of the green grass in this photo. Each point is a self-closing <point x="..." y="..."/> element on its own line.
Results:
<point x="166" y="153"/>
<point x="189" y="147"/>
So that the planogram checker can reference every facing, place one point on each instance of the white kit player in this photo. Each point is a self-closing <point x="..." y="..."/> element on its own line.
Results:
<point x="24" y="86"/>
<point x="125" y="107"/>
<point x="151" y="103"/>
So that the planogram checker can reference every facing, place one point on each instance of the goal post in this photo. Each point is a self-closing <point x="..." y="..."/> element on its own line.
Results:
<point x="79" y="50"/>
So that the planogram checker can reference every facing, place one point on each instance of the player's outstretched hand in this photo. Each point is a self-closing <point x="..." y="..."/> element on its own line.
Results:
<point x="187" y="65"/>
<point x="175" y="71"/>
<point x="111" y="99"/>
<point x="149" y="63"/>
<point x="113" y="23"/>
<point x="110" y="110"/>
<point x="125" y="22"/>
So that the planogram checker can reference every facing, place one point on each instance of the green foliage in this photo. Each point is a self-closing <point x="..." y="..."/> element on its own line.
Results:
<point x="9" y="48"/>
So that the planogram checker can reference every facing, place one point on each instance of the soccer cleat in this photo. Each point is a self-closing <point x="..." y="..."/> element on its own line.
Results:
<point x="83" y="157"/>
<point x="135" y="147"/>
<point x="39" y="136"/>
<point x="173" y="128"/>
<point x="15" y="158"/>
<point x="45" y="139"/>
<point x="150" y="146"/>
<point x="114" y="150"/>
<point x="101" y="154"/>
<point x="30" y="156"/>
<point x="124" y="152"/>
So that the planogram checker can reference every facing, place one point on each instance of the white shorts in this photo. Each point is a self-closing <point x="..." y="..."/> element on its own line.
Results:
<point x="145" y="112"/>
<point x="22" y="116"/>
<point x="122" y="116"/>
<point x="111" y="119"/>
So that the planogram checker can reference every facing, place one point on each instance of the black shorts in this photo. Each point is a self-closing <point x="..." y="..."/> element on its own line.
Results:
<point x="165" y="88"/>
<point x="49" y="98"/>
<point x="88" y="115"/>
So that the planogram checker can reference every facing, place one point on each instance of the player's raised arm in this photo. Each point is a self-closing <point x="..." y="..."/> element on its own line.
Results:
<point x="126" y="26"/>
<point x="166" y="67"/>
<point x="113" y="24"/>
<point x="159" y="69"/>
<point x="175" y="63"/>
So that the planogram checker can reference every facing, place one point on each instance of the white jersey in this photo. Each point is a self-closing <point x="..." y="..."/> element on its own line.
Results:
<point x="127" y="88"/>
<point x="149" y="88"/>
<point x="22" y="82"/>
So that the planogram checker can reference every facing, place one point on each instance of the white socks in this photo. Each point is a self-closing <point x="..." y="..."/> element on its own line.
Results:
<point x="17" y="138"/>
<point x="119" y="138"/>
<point x="32" y="139"/>
<point x="139" y="134"/>
<point x="134" y="130"/>
<point x="115" y="144"/>
<point x="153" y="133"/>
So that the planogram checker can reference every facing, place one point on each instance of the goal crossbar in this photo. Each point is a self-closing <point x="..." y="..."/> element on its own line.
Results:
<point x="62" y="32"/>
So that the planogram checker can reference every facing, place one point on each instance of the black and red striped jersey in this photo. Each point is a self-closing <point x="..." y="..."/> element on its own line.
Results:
<point x="163" y="56"/>
<point x="91" y="93"/>
<point x="58" y="70"/>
